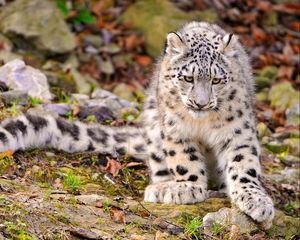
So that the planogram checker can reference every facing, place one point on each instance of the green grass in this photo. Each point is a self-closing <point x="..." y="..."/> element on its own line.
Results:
<point x="71" y="182"/>
<point x="34" y="101"/>
<point x="192" y="227"/>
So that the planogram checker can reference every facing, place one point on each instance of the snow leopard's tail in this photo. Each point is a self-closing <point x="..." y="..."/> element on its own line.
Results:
<point x="28" y="131"/>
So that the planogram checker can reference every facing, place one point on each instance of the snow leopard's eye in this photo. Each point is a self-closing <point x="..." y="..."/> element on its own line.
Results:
<point x="216" y="80"/>
<point x="189" y="79"/>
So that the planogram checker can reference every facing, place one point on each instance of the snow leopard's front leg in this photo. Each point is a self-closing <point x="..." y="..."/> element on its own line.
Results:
<point x="242" y="171"/>
<point x="186" y="164"/>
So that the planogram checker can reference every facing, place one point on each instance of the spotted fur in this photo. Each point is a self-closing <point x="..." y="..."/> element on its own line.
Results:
<point x="198" y="124"/>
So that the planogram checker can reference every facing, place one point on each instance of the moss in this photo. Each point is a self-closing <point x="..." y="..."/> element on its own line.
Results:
<point x="164" y="16"/>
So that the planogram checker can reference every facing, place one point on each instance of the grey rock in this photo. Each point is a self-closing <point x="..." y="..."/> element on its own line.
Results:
<point x="229" y="216"/>
<point x="102" y="94"/>
<point x="123" y="91"/>
<point x="293" y="145"/>
<point x="77" y="97"/>
<point x="91" y="50"/>
<point x="293" y="115"/>
<point x="111" y="48"/>
<point x="90" y="199"/>
<point x="106" y="66"/>
<point x="285" y="176"/>
<point x="7" y="56"/>
<point x="105" y="95"/>
<point x="59" y="108"/>
<point x="283" y="96"/>
<point x="82" y="85"/>
<point x="290" y="175"/>
<point x="164" y="16"/>
<point x="19" y="76"/>
<point x="18" y="96"/>
<point x="40" y="22"/>
<point x="101" y="113"/>
<point x="94" y="40"/>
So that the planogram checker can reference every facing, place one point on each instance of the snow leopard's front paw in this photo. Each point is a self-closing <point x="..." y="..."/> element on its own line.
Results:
<point x="175" y="192"/>
<point x="257" y="205"/>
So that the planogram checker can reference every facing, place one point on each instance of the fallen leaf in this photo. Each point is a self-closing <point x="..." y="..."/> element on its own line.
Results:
<point x="99" y="204"/>
<point x="8" y="153"/>
<point x="143" y="60"/>
<point x="117" y="215"/>
<point x="57" y="183"/>
<point x="75" y="110"/>
<point x="134" y="164"/>
<point x="285" y="72"/>
<point x="160" y="235"/>
<point x="264" y="6"/>
<point x="137" y="237"/>
<point x="113" y="167"/>
<point x="258" y="33"/>
<point x="132" y="41"/>
<point x="234" y="233"/>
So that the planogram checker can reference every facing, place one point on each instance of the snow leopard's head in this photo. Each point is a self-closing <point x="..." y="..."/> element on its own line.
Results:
<point x="197" y="62"/>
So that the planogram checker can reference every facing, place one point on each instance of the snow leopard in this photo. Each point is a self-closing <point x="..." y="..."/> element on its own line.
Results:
<point x="198" y="125"/>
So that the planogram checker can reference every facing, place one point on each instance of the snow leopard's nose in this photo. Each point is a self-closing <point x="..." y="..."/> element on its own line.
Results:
<point x="201" y="104"/>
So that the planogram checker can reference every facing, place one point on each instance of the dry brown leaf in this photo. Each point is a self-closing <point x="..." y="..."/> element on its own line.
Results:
<point x="7" y="153"/>
<point x="100" y="6"/>
<point x="134" y="164"/>
<point x="160" y="235"/>
<point x="99" y="204"/>
<point x="117" y="215"/>
<point x="137" y="237"/>
<point x="234" y="233"/>
<point x="264" y="6"/>
<point x="132" y="41"/>
<point x="57" y="183"/>
<point x="75" y="110"/>
<point x="285" y="72"/>
<point x="113" y="167"/>
<point x="258" y="33"/>
<point x="143" y="60"/>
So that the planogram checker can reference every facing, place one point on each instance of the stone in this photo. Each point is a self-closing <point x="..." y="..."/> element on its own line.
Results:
<point x="293" y="145"/>
<point x="111" y="48"/>
<point x="293" y="115"/>
<point x="7" y="56"/>
<point x="101" y="113"/>
<point x="38" y="23"/>
<point x="94" y="40"/>
<point x="82" y="85"/>
<point x="58" y="108"/>
<point x="77" y="97"/>
<point x="109" y="98"/>
<point x="105" y="65"/>
<point x="123" y="91"/>
<point x="90" y="199"/>
<point x="156" y="18"/>
<point x="290" y="159"/>
<point x="284" y="225"/>
<point x="283" y="96"/>
<point x="262" y="96"/>
<point x="266" y="76"/>
<point x="229" y="216"/>
<point x="289" y="175"/>
<point x="19" y="76"/>
<point x="263" y="130"/>
<point x="14" y="96"/>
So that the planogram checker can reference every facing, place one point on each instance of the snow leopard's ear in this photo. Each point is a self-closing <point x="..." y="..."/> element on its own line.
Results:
<point x="229" y="41"/>
<point x="175" y="46"/>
